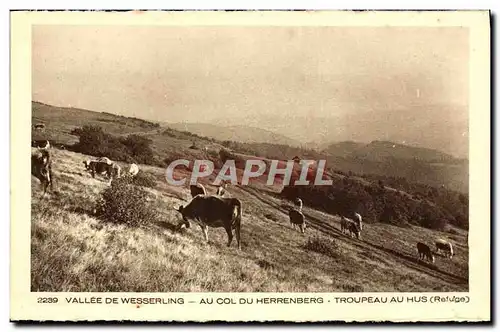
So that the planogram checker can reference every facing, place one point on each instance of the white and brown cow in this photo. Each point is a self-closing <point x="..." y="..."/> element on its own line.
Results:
<point x="443" y="245"/>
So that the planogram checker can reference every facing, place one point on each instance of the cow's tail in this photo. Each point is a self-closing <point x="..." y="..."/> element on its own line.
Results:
<point x="237" y="220"/>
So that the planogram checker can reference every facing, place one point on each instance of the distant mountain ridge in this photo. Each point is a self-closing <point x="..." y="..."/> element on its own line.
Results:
<point x="238" y="133"/>
<point x="381" y="150"/>
<point x="442" y="127"/>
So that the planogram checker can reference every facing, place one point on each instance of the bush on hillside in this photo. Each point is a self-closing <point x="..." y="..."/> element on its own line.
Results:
<point x="139" y="148"/>
<point x="322" y="246"/>
<point x="132" y="149"/>
<point x="144" y="179"/>
<point x="125" y="203"/>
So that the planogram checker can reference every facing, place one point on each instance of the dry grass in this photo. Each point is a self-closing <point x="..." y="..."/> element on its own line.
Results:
<point x="72" y="250"/>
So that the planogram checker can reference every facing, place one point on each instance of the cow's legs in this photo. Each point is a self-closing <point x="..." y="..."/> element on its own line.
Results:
<point x="237" y="232"/>
<point x="204" y="228"/>
<point x="229" y="232"/>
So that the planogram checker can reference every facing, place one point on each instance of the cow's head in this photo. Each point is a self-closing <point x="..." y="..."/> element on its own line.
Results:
<point x="185" y="222"/>
<point x="87" y="164"/>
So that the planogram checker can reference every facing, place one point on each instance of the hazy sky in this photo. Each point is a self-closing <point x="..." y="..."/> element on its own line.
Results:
<point x="200" y="73"/>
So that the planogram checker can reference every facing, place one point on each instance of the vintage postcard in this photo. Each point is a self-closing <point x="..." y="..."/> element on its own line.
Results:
<point x="300" y="166"/>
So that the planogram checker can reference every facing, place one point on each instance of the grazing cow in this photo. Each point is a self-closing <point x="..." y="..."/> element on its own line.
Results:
<point x="133" y="170"/>
<point x="354" y="229"/>
<point x="298" y="203"/>
<point x="221" y="190"/>
<point x="41" y="144"/>
<point x="101" y="167"/>
<point x="349" y="226"/>
<point x="358" y="220"/>
<point x="297" y="218"/>
<point x="443" y="245"/>
<point x="41" y="168"/>
<point x="39" y="126"/>
<point x="197" y="189"/>
<point x="215" y="212"/>
<point x="424" y="252"/>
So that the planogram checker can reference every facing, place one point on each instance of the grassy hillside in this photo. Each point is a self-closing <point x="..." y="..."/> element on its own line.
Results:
<point x="73" y="250"/>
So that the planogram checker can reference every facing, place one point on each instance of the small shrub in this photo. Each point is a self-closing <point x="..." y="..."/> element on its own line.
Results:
<point x="144" y="179"/>
<point x="352" y="288"/>
<point x="265" y="264"/>
<point x="325" y="247"/>
<point x="125" y="203"/>
<point x="271" y="216"/>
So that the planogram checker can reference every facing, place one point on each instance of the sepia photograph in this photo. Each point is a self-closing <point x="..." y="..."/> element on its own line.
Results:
<point x="252" y="158"/>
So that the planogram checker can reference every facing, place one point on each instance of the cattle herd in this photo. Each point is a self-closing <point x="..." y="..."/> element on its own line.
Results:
<point x="210" y="210"/>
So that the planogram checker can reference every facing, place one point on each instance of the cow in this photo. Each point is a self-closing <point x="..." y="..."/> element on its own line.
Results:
<point x="197" y="189"/>
<point x="298" y="203"/>
<point x="221" y="190"/>
<point x="443" y="245"/>
<point x="41" y="168"/>
<point x="424" y="252"/>
<point x="213" y="211"/>
<point x="39" y="126"/>
<point x="297" y="218"/>
<point x="354" y="229"/>
<point x="133" y="170"/>
<point x="358" y="220"/>
<point x="112" y="170"/>
<point x="41" y="144"/>
<point x="344" y="223"/>
<point x="349" y="226"/>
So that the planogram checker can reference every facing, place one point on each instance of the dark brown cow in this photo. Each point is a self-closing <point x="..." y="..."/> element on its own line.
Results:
<point x="112" y="170"/>
<point x="297" y="218"/>
<point x="424" y="252"/>
<point x="213" y="211"/>
<point x="41" y="168"/>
